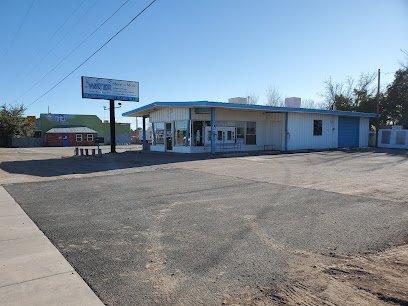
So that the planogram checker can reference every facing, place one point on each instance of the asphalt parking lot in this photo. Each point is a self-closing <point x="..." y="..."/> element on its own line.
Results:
<point x="227" y="230"/>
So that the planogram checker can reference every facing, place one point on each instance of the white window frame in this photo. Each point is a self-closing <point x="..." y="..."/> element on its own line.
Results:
<point x="89" y="137"/>
<point x="158" y="129"/>
<point x="78" y="139"/>
<point x="220" y="129"/>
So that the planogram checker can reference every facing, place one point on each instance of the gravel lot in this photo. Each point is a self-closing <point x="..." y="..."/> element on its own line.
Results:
<point x="315" y="228"/>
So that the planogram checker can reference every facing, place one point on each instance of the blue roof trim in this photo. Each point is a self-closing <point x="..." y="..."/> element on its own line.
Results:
<point x="265" y="108"/>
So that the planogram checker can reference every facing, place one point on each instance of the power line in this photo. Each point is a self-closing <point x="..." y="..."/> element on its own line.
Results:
<point x="95" y="52"/>
<point x="67" y="19"/>
<point x="13" y="39"/>
<point x="61" y="38"/>
<point x="74" y="49"/>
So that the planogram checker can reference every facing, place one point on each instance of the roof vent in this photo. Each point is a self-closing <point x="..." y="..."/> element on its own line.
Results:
<point x="293" y="102"/>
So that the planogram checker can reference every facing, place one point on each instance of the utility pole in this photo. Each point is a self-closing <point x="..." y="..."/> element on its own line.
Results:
<point x="378" y="106"/>
<point x="112" y="126"/>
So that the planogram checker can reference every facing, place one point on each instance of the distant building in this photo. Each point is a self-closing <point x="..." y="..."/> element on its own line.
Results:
<point x="70" y="136"/>
<point x="49" y="121"/>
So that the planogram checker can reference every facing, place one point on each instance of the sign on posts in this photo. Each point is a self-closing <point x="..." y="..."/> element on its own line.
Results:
<point x="109" y="89"/>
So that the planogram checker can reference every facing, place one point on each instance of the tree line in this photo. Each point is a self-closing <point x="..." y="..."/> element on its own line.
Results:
<point x="358" y="95"/>
<point x="13" y="123"/>
<point x="361" y="96"/>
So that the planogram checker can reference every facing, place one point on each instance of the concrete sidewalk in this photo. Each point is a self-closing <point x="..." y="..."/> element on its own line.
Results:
<point x="32" y="270"/>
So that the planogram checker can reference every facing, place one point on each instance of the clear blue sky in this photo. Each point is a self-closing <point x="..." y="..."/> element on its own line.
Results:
<point x="197" y="50"/>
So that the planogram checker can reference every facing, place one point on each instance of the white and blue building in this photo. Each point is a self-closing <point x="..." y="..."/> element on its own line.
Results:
<point x="206" y="126"/>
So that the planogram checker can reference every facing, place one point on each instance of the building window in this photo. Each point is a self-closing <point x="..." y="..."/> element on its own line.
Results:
<point x="158" y="133"/>
<point x="250" y="137"/>
<point x="229" y="135"/>
<point x="89" y="137"/>
<point x="181" y="132"/>
<point x="241" y="130"/>
<point x="78" y="137"/>
<point x="219" y="135"/>
<point x="159" y="136"/>
<point x="317" y="127"/>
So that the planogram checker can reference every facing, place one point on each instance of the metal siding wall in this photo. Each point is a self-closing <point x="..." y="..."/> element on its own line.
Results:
<point x="300" y="129"/>
<point x="275" y="120"/>
<point x="157" y="148"/>
<point x="364" y="132"/>
<point x="181" y="149"/>
<point x="169" y="114"/>
<point x="200" y="117"/>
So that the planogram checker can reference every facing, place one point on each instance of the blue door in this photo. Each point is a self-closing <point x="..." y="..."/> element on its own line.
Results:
<point x="349" y="130"/>
<point x="65" y="141"/>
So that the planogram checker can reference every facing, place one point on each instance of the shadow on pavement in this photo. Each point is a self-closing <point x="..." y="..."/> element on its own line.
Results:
<point x="126" y="160"/>
<point x="90" y="164"/>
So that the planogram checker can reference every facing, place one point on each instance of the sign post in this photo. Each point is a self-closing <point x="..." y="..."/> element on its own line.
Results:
<point x="109" y="89"/>
<point x="112" y="125"/>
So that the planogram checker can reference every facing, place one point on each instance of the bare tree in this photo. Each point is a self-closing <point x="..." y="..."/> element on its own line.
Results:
<point x="273" y="96"/>
<point x="252" y="98"/>
<point x="350" y="94"/>
<point x="348" y="88"/>
<point x="333" y="90"/>
<point x="364" y="83"/>
<point x="404" y="63"/>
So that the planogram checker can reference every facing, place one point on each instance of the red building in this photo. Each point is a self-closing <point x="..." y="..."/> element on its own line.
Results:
<point x="70" y="137"/>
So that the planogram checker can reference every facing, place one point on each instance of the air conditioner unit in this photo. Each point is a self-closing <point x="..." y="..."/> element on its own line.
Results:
<point x="293" y="102"/>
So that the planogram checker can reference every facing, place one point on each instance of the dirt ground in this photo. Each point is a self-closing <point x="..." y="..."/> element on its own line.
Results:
<point x="381" y="174"/>
<point x="316" y="275"/>
<point x="372" y="279"/>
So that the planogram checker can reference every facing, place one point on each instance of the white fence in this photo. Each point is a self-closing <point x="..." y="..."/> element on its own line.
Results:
<point x="393" y="138"/>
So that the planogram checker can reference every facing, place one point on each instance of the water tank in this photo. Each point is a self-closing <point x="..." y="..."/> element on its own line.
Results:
<point x="293" y="102"/>
<point x="240" y="100"/>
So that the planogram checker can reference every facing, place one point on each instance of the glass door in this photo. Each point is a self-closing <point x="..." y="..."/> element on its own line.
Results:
<point x="169" y="137"/>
